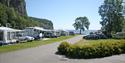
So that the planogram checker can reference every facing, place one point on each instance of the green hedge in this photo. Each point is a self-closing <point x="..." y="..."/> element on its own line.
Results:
<point x="95" y="50"/>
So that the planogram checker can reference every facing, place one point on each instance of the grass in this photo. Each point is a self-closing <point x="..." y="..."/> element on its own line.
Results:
<point x="8" y="48"/>
<point x="84" y="42"/>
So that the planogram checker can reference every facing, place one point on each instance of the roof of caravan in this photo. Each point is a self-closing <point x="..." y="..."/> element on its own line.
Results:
<point x="8" y="29"/>
<point x="39" y="28"/>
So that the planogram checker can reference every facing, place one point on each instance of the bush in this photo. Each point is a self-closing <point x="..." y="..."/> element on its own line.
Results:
<point x="95" y="50"/>
<point x="63" y="47"/>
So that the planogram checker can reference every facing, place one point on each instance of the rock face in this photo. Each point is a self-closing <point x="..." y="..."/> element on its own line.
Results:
<point x="18" y="5"/>
<point x="14" y="13"/>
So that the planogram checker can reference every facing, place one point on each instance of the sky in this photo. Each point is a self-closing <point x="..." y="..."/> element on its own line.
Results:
<point x="64" y="12"/>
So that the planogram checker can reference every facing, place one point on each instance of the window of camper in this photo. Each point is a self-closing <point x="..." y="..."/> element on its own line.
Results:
<point x="13" y="36"/>
<point x="8" y="36"/>
<point x="1" y="35"/>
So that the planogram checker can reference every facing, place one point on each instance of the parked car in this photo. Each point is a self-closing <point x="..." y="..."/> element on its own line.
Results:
<point x="50" y="35"/>
<point x="71" y="33"/>
<point x="120" y="35"/>
<point x="91" y="36"/>
<point x="101" y="36"/>
<point x="95" y="36"/>
<point x="0" y="44"/>
<point x="29" y="38"/>
<point x="25" y="38"/>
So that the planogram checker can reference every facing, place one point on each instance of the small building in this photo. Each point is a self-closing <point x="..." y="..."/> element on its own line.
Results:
<point x="9" y="35"/>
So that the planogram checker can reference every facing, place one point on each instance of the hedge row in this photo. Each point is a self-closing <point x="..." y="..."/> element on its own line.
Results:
<point x="91" y="51"/>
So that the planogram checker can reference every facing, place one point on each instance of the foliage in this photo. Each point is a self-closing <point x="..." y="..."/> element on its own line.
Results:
<point x="3" y="15"/>
<point x="11" y="18"/>
<point x="45" y="23"/>
<point x="81" y="23"/>
<point x="63" y="47"/>
<point x="92" y="50"/>
<point x="112" y="18"/>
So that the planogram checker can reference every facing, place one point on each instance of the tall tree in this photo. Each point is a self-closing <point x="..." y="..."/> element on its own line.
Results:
<point x="111" y="15"/>
<point x="3" y="15"/>
<point x="81" y="23"/>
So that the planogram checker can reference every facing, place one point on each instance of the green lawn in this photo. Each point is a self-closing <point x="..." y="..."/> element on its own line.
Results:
<point x="8" y="48"/>
<point x="89" y="42"/>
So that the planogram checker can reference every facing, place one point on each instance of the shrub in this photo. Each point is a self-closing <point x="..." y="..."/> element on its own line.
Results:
<point x="95" y="50"/>
<point x="63" y="47"/>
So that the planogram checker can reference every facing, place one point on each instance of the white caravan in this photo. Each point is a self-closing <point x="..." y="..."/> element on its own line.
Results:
<point x="9" y="35"/>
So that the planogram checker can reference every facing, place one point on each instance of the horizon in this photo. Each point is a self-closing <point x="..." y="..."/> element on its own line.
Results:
<point x="63" y="13"/>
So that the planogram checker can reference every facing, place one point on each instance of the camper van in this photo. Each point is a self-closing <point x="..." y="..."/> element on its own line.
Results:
<point x="36" y="32"/>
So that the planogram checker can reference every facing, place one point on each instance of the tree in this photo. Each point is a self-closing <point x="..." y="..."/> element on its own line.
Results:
<point x="81" y="23"/>
<point x="111" y="15"/>
<point x="3" y="15"/>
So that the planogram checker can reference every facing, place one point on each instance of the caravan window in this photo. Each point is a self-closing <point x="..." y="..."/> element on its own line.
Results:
<point x="8" y="36"/>
<point x="1" y="35"/>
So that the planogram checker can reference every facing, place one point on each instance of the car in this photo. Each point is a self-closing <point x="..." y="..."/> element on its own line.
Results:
<point x="71" y="33"/>
<point x="29" y="38"/>
<point x="120" y="35"/>
<point x="91" y="36"/>
<point x="50" y="35"/>
<point x="25" y="38"/>
<point x="95" y="36"/>
<point x="0" y="44"/>
<point x="101" y="36"/>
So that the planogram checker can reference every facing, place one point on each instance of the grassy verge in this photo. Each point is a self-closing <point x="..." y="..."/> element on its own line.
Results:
<point x="92" y="48"/>
<point x="93" y="42"/>
<point x="8" y="48"/>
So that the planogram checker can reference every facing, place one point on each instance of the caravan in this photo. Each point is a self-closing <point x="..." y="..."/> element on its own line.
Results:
<point x="9" y="35"/>
<point x="36" y="32"/>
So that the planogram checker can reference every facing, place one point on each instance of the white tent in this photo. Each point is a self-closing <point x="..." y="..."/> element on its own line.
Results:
<point x="8" y="35"/>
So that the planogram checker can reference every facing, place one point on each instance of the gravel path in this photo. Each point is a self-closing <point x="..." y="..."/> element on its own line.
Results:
<point x="46" y="54"/>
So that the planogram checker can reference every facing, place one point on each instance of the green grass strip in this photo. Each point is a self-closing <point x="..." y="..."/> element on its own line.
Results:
<point x="8" y="48"/>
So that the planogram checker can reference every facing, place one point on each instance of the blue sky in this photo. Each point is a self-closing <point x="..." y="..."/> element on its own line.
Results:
<point x="63" y="12"/>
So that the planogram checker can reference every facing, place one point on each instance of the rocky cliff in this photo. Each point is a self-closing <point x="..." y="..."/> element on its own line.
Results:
<point x="13" y="13"/>
<point x="18" y="5"/>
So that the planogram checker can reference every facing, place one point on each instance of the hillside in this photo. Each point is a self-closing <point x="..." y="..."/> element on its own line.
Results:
<point x="13" y="14"/>
<point x="45" y="23"/>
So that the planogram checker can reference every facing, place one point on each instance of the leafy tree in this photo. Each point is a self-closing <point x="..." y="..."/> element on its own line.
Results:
<point x="3" y="15"/>
<point x="81" y="23"/>
<point x="111" y="15"/>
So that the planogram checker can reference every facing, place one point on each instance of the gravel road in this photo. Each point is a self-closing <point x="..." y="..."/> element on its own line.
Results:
<point x="46" y="54"/>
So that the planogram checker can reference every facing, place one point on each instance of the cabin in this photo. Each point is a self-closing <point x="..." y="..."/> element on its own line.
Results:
<point x="9" y="35"/>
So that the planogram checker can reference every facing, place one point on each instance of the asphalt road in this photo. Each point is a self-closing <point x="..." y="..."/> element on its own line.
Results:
<point x="46" y="54"/>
